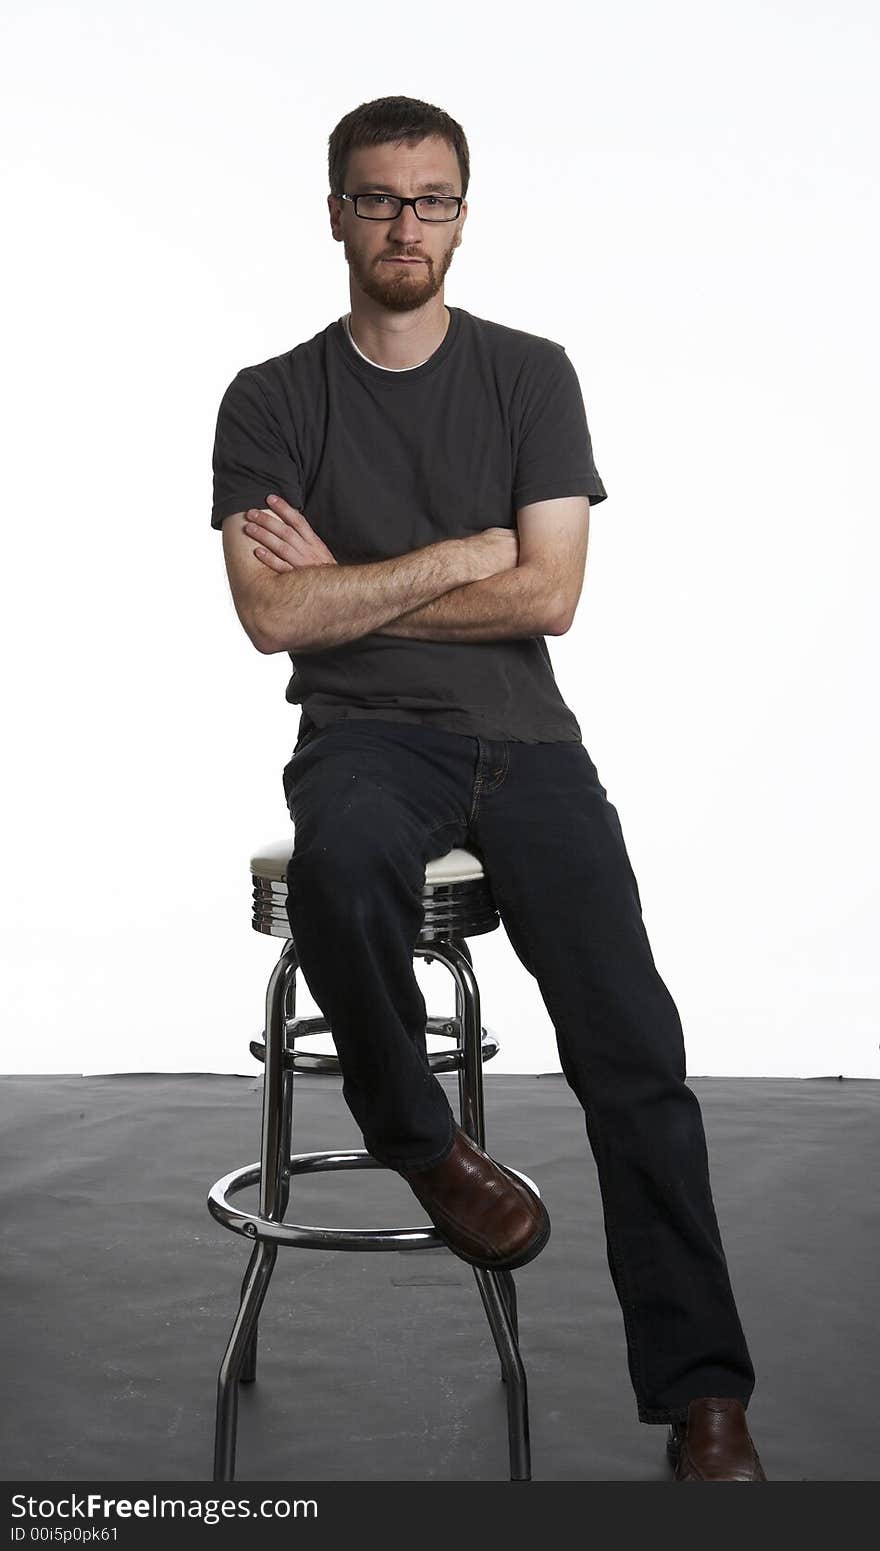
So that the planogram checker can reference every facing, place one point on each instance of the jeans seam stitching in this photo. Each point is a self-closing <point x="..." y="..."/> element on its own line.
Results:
<point x="442" y="824"/>
<point x="478" y="786"/>
<point x="493" y="786"/>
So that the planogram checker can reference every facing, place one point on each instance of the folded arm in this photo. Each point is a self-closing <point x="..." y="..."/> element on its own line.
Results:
<point x="290" y="594"/>
<point x="538" y="597"/>
<point x="509" y="606"/>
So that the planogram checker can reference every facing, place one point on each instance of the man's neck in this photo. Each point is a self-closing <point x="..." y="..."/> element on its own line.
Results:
<point x="397" y="349"/>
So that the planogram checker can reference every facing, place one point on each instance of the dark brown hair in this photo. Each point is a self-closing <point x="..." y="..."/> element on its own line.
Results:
<point x="389" y="119"/>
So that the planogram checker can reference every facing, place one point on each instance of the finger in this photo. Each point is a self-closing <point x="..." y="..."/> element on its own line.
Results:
<point x="278" y="550"/>
<point x="266" y="523"/>
<point x="287" y="513"/>
<point x="282" y="540"/>
<point x="272" y="561"/>
<point x="277" y="503"/>
<point x="300" y="523"/>
<point x="305" y="545"/>
<point x="296" y="520"/>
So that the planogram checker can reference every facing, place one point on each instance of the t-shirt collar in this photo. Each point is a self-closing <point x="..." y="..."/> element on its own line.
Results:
<point x="371" y="371"/>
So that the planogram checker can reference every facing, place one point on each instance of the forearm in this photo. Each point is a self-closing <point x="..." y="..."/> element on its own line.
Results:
<point x="507" y="606"/>
<point x="315" y="607"/>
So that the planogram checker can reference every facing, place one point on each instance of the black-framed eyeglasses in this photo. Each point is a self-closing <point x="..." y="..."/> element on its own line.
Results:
<point x="387" y="207"/>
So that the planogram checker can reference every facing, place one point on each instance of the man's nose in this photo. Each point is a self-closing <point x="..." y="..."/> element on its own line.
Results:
<point x="406" y="227"/>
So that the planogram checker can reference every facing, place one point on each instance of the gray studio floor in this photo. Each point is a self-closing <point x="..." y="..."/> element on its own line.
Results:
<point x="119" y="1290"/>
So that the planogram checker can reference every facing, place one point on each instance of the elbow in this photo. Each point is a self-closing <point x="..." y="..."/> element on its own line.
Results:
<point x="563" y="615"/>
<point x="268" y="645"/>
<point x="253" y="624"/>
<point x="267" y="640"/>
<point x="558" y="624"/>
<point x="263" y="640"/>
<point x="557" y="612"/>
<point x="271" y="632"/>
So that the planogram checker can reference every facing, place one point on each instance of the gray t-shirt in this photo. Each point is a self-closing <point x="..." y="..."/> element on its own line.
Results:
<point x="382" y="462"/>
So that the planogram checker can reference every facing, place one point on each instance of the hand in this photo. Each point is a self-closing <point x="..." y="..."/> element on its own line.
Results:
<point x="287" y="539"/>
<point x="494" y="550"/>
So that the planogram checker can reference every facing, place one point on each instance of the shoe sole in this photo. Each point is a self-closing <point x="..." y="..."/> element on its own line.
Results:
<point x="510" y="1262"/>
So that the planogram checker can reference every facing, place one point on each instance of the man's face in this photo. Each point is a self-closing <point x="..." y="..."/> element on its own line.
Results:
<point x="370" y="246"/>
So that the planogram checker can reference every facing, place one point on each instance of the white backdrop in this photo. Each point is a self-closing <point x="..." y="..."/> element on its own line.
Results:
<point x="702" y="238"/>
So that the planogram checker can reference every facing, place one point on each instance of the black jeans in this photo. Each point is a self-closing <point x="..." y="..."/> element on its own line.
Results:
<point x="372" y="801"/>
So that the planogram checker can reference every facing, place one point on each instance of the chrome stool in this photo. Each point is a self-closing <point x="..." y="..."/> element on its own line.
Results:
<point x="458" y="904"/>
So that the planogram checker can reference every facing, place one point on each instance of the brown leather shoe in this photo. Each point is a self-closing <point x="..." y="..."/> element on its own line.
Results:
<point x="483" y="1211"/>
<point x="714" y="1443"/>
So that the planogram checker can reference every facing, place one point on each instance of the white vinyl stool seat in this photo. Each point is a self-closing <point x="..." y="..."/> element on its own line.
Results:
<point x="457" y="866"/>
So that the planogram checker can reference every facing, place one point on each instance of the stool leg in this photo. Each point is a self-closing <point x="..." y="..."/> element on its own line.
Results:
<point x="241" y="1353"/>
<point x="286" y="1142"/>
<point x="249" y="1361"/>
<point x="513" y="1373"/>
<point x="497" y="1288"/>
<point x="508" y="1287"/>
<point x="277" y="1094"/>
<point x="470" y="1080"/>
<point x="249" y="1364"/>
<point x="467" y="1010"/>
<point x="262" y="1264"/>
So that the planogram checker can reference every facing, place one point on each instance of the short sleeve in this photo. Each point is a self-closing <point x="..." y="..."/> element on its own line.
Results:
<point x="253" y="453"/>
<point x="554" y="455"/>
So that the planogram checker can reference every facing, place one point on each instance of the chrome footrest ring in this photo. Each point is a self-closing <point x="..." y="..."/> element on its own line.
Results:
<point x="309" y="1235"/>
<point x="299" y="1060"/>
